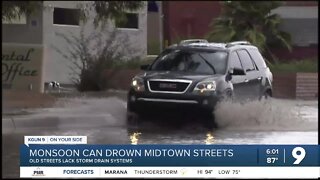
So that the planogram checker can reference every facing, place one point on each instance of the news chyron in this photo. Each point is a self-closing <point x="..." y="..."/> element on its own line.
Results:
<point x="75" y="157"/>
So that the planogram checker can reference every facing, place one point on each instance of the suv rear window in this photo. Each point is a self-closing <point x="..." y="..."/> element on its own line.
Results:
<point x="200" y="62"/>
<point x="257" y="57"/>
<point x="235" y="61"/>
<point x="246" y="60"/>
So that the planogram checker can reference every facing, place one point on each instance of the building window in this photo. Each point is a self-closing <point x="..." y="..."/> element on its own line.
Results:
<point x="66" y="16"/>
<point x="152" y="6"/>
<point x="131" y="21"/>
<point x="22" y="19"/>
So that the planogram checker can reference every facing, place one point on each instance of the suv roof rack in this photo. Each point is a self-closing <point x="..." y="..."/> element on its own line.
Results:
<point x="219" y="45"/>
<point x="238" y="43"/>
<point x="173" y="45"/>
<point x="189" y="41"/>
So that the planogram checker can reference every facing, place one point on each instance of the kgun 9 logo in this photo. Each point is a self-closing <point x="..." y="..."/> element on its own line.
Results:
<point x="298" y="153"/>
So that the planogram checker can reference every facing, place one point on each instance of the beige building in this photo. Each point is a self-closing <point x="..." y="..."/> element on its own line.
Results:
<point x="42" y="29"/>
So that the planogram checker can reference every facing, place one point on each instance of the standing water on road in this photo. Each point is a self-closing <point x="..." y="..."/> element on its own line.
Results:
<point x="103" y="121"/>
<point x="271" y="122"/>
<point x="100" y="118"/>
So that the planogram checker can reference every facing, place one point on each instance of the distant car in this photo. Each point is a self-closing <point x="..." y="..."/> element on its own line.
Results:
<point x="199" y="74"/>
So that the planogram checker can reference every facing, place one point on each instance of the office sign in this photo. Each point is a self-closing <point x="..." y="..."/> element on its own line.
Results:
<point x="22" y="67"/>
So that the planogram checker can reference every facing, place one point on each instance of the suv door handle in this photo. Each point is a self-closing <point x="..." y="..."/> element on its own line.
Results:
<point x="246" y="80"/>
<point x="259" y="78"/>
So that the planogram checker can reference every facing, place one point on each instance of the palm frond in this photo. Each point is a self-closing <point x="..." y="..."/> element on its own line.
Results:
<point x="251" y="20"/>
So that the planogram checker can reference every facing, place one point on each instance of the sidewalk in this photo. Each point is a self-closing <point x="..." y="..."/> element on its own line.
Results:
<point x="20" y="109"/>
<point x="18" y="103"/>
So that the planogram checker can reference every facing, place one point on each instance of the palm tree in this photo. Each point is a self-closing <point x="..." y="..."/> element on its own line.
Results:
<point x="251" y="21"/>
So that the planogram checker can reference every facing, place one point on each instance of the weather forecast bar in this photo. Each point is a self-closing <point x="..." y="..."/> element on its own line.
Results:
<point x="169" y="172"/>
<point x="72" y="157"/>
<point x="86" y="155"/>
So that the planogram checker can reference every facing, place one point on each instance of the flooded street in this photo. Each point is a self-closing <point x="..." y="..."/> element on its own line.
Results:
<point x="103" y="121"/>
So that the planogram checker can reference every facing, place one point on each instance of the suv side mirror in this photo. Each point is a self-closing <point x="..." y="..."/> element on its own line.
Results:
<point x="144" y="67"/>
<point x="237" y="71"/>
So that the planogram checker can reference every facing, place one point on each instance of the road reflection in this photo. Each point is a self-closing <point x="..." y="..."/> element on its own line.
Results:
<point x="134" y="138"/>
<point x="209" y="138"/>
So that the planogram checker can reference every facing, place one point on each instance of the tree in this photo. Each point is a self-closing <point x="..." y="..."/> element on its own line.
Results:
<point x="251" y="21"/>
<point x="104" y="10"/>
<point x="14" y="9"/>
<point x="90" y="55"/>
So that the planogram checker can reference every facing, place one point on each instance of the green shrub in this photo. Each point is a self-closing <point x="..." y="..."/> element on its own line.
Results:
<point x="131" y="64"/>
<point x="304" y="65"/>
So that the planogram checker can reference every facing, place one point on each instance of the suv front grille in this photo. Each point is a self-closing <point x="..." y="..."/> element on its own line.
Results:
<point x="168" y="85"/>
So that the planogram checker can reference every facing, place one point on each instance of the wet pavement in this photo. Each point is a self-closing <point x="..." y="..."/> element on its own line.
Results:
<point x="103" y="120"/>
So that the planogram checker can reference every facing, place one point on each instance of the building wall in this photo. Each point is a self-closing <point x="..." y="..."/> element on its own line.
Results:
<point x="153" y="33"/>
<point x="29" y="33"/>
<point x="22" y="67"/>
<point x="57" y="68"/>
<point x="188" y="18"/>
<point x="191" y="19"/>
<point x="295" y="86"/>
<point x="23" y="38"/>
<point x="301" y="22"/>
<point x="39" y="29"/>
<point x="300" y="19"/>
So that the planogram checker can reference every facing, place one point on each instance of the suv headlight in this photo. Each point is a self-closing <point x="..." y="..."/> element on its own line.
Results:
<point x="137" y="84"/>
<point x="205" y="86"/>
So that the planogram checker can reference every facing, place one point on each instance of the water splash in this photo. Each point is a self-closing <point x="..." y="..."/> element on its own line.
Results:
<point x="275" y="115"/>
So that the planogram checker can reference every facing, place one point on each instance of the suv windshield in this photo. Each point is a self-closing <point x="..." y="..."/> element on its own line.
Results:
<point x="200" y="62"/>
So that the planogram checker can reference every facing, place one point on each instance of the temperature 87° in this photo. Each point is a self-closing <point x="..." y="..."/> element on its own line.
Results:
<point x="272" y="160"/>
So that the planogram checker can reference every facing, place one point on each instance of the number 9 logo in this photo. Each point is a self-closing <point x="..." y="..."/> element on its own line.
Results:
<point x="299" y="157"/>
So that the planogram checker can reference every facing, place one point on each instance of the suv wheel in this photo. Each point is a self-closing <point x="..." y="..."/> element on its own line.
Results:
<point x="133" y="116"/>
<point x="132" y="119"/>
<point x="267" y="95"/>
<point x="210" y="121"/>
<point x="227" y="96"/>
